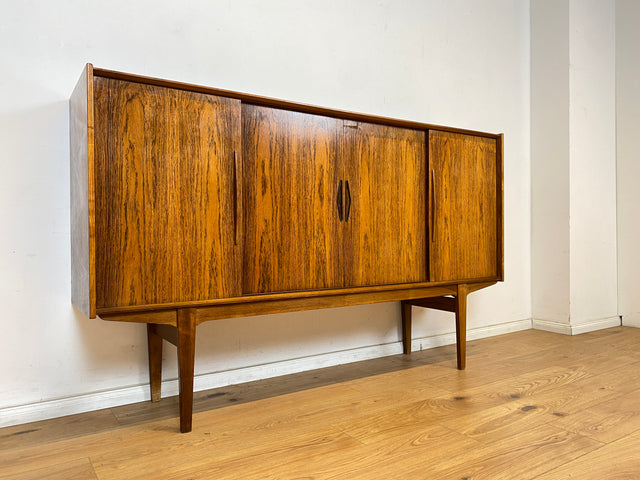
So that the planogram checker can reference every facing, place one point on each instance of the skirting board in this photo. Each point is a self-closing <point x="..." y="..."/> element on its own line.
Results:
<point x="123" y="396"/>
<point x="631" y="320"/>
<point x="576" y="329"/>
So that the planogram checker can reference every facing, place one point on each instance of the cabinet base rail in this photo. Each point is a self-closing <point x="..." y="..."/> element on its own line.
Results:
<point x="183" y="336"/>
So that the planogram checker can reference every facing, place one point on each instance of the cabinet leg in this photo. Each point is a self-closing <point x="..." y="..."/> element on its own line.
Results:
<point x="461" y="325"/>
<point x="186" y="358"/>
<point x="406" y="327"/>
<point x="154" y="347"/>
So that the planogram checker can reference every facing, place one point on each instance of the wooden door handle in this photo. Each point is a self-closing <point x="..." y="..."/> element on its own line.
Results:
<point x="433" y="206"/>
<point x="347" y="200"/>
<point x="236" y="197"/>
<point x="339" y="200"/>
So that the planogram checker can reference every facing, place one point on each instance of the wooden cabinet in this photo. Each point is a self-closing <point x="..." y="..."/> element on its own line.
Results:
<point x="192" y="204"/>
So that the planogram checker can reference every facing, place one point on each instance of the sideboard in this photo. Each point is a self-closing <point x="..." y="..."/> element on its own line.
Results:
<point x="191" y="203"/>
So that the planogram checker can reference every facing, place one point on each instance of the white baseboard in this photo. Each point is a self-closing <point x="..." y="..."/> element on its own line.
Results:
<point x="425" y="343"/>
<point x="576" y="329"/>
<point x="122" y="396"/>
<point x="631" y="320"/>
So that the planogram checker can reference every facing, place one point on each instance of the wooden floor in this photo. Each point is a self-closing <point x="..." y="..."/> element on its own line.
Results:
<point x="530" y="405"/>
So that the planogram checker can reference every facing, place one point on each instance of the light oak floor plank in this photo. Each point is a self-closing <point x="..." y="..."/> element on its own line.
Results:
<point x="79" y="469"/>
<point x="522" y="456"/>
<point x="619" y="460"/>
<point x="608" y="420"/>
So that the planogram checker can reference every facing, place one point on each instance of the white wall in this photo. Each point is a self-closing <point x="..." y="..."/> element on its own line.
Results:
<point x="592" y="162"/>
<point x="458" y="63"/>
<point x="550" y="290"/>
<point x="628" y="149"/>
<point x="573" y="158"/>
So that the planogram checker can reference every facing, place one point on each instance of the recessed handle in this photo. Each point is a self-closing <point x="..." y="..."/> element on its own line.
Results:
<point x="339" y="201"/>
<point x="347" y="200"/>
<point x="236" y="197"/>
<point x="433" y="206"/>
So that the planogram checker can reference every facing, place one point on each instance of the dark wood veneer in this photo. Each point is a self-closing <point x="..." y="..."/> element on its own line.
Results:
<point x="165" y="231"/>
<point x="283" y="104"/>
<point x="464" y="206"/>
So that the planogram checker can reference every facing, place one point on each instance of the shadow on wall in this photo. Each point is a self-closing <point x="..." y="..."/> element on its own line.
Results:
<point x="114" y="348"/>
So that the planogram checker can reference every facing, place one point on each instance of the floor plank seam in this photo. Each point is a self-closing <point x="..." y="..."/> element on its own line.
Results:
<point x="581" y="455"/>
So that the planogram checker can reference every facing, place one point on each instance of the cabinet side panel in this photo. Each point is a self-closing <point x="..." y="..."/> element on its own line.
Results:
<point x="464" y="207"/>
<point x="165" y="195"/>
<point x="500" y="205"/>
<point x="82" y="195"/>
<point x="291" y="188"/>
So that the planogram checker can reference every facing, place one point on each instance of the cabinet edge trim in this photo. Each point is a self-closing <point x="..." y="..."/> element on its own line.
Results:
<point x="284" y="104"/>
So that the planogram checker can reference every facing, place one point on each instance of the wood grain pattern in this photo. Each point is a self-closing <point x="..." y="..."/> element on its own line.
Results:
<point x="290" y="187"/>
<point x="495" y="423"/>
<point x="138" y="312"/>
<point x="186" y="360"/>
<point x="154" y="347"/>
<point x="378" y="419"/>
<point x="407" y="324"/>
<point x="77" y="469"/>
<point x="259" y="100"/>
<point x="379" y="461"/>
<point x="165" y="195"/>
<point x="607" y="421"/>
<point x="523" y="454"/>
<point x="500" y="204"/>
<point x="281" y="303"/>
<point x="384" y="238"/>
<point x="157" y="316"/>
<point x="152" y="234"/>
<point x="331" y="203"/>
<point x="309" y="303"/>
<point x="446" y="304"/>
<point x="464" y="207"/>
<point x="461" y="325"/>
<point x="82" y="185"/>
<point x="615" y="461"/>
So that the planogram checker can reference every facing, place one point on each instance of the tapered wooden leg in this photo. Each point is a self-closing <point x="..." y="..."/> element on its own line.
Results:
<point x="461" y="325"/>
<point x="154" y="346"/>
<point x="406" y="327"/>
<point x="186" y="358"/>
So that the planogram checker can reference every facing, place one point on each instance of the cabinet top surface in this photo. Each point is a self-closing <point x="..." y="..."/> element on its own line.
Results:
<point x="277" y="103"/>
